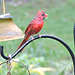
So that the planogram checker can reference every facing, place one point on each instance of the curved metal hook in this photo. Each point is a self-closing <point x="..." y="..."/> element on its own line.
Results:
<point x="2" y="53"/>
<point x="37" y="37"/>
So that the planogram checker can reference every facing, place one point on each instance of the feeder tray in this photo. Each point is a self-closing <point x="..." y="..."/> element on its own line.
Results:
<point x="8" y="29"/>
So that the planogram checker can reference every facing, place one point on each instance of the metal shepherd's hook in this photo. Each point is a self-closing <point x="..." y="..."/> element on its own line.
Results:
<point x="35" y="38"/>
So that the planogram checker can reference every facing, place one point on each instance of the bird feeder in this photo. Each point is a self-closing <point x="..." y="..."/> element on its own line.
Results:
<point x="8" y="29"/>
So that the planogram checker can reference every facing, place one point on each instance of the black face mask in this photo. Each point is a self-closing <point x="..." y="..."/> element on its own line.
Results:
<point x="43" y="18"/>
<point x="43" y="14"/>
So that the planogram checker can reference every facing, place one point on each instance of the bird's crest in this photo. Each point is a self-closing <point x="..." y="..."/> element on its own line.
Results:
<point x="41" y="11"/>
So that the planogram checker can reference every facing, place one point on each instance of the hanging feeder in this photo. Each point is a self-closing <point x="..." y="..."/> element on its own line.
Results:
<point x="8" y="29"/>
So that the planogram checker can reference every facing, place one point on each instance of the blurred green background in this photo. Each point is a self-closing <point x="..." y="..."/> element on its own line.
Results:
<point x="44" y="53"/>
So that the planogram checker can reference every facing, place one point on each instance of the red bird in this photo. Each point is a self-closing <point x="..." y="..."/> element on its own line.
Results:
<point x="34" y="27"/>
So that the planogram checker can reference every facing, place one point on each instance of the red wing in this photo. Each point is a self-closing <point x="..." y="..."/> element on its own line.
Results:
<point x="29" y="26"/>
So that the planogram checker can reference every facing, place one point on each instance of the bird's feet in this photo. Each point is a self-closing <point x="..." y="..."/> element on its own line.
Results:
<point x="39" y="35"/>
<point x="32" y="38"/>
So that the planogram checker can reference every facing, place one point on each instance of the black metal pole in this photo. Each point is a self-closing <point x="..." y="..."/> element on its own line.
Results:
<point x="52" y="37"/>
<point x="42" y="36"/>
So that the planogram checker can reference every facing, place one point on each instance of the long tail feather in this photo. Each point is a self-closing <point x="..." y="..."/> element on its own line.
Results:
<point x="24" y="40"/>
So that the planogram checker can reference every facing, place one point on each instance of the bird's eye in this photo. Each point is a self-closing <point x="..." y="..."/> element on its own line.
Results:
<point x="43" y="14"/>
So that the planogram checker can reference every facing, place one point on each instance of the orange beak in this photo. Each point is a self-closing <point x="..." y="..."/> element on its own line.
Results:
<point x="46" y="15"/>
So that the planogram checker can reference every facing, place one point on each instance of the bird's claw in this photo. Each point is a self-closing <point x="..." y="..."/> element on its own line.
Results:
<point x="32" y="38"/>
<point x="39" y="35"/>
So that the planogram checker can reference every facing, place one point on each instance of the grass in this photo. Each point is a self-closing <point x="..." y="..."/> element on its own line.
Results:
<point x="60" y="22"/>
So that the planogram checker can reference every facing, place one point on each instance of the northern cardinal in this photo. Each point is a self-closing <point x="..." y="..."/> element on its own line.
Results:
<point x="34" y="27"/>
